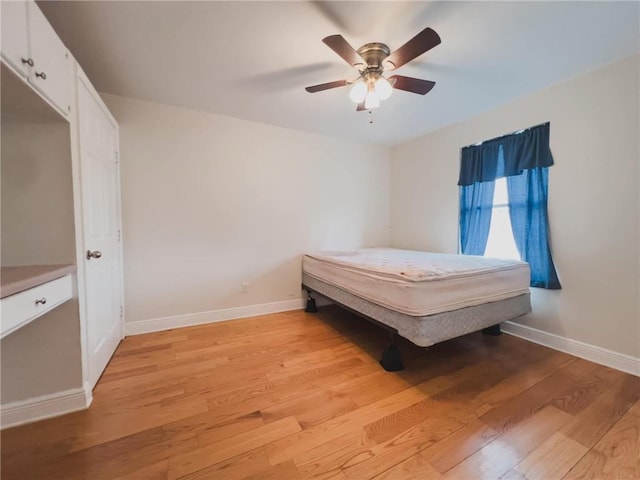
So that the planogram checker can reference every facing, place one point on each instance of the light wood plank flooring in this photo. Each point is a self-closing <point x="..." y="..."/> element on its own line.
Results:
<point x="296" y="395"/>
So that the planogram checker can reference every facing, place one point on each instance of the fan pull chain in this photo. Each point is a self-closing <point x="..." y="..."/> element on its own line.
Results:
<point x="370" y="117"/>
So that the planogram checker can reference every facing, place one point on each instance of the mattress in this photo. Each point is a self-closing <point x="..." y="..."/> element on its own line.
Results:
<point x="419" y="283"/>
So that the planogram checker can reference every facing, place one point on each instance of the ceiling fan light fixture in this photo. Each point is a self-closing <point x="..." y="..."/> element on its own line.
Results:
<point x="383" y="88"/>
<point x="358" y="92"/>
<point x="372" y="60"/>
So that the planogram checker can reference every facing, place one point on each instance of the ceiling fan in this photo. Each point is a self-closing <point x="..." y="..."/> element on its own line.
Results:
<point x="371" y="60"/>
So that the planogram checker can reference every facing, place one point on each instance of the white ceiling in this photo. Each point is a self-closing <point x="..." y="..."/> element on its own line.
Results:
<point x="252" y="60"/>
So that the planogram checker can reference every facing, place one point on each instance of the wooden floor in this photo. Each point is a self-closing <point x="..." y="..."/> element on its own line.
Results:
<point x="297" y="395"/>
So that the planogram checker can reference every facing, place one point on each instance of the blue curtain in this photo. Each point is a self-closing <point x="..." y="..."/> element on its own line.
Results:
<point x="523" y="158"/>
<point x="476" y="205"/>
<point x="530" y="224"/>
<point x="522" y="151"/>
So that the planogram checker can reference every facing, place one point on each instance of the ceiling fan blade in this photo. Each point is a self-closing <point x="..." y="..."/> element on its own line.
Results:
<point x="360" y="107"/>
<point x="410" y="84"/>
<point x="338" y="44"/>
<point x="326" y="86"/>
<point x="425" y="40"/>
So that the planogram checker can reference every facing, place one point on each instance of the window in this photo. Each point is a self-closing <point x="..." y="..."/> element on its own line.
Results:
<point x="501" y="242"/>
<point x="488" y="209"/>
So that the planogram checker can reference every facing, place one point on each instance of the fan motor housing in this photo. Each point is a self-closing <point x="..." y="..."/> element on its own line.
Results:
<point x="374" y="54"/>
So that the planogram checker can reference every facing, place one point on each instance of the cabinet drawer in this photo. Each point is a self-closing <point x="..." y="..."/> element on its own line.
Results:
<point x="23" y="307"/>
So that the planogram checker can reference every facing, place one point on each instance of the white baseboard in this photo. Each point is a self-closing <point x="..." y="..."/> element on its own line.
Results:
<point x="88" y="394"/>
<point x="46" y="406"/>
<point x="191" y="319"/>
<point x="609" y="358"/>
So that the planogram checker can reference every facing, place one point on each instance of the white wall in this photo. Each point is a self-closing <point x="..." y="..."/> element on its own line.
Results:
<point x="209" y="202"/>
<point x="37" y="193"/>
<point x="593" y="200"/>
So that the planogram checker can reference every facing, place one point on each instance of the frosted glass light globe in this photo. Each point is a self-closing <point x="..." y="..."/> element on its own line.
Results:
<point x="383" y="88"/>
<point x="358" y="92"/>
<point x="371" y="100"/>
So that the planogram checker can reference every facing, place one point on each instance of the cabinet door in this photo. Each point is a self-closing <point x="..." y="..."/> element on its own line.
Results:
<point x="99" y="174"/>
<point x="15" y="48"/>
<point x="51" y="71"/>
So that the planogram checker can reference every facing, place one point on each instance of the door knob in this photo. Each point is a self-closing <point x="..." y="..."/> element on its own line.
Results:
<point x="94" y="254"/>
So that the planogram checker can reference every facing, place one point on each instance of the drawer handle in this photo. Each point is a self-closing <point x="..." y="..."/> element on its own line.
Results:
<point x="28" y="61"/>
<point x="42" y="75"/>
<point x="94" y="254"/>
<point x="41" y="301"/>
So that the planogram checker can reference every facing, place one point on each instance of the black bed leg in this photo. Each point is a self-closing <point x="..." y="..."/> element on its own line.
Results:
<point x="493" y="330"/>
<point x="391" y="359"/>
<point x="310" y="307"/>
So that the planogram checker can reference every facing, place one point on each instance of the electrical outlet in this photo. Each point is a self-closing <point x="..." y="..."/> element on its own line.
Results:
<point x="244" y="287"/>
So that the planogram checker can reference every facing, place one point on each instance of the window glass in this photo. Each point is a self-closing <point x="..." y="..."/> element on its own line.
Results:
<point x="500" y="242"/>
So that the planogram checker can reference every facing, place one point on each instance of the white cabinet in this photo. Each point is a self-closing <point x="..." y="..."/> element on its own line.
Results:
<point x="33" y="49"/>
<point x="15" y="48"/>
<point x="61" y="167"/>
<point x="51" y="71"/>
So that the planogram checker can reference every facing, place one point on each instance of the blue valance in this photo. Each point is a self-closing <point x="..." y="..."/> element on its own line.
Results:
<point x="521" y="151"/>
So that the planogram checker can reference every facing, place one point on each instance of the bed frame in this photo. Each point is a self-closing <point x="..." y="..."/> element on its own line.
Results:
<point x="423" y="331"/>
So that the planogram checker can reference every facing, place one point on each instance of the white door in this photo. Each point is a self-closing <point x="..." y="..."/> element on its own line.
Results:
<point x="101" y="223"/>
